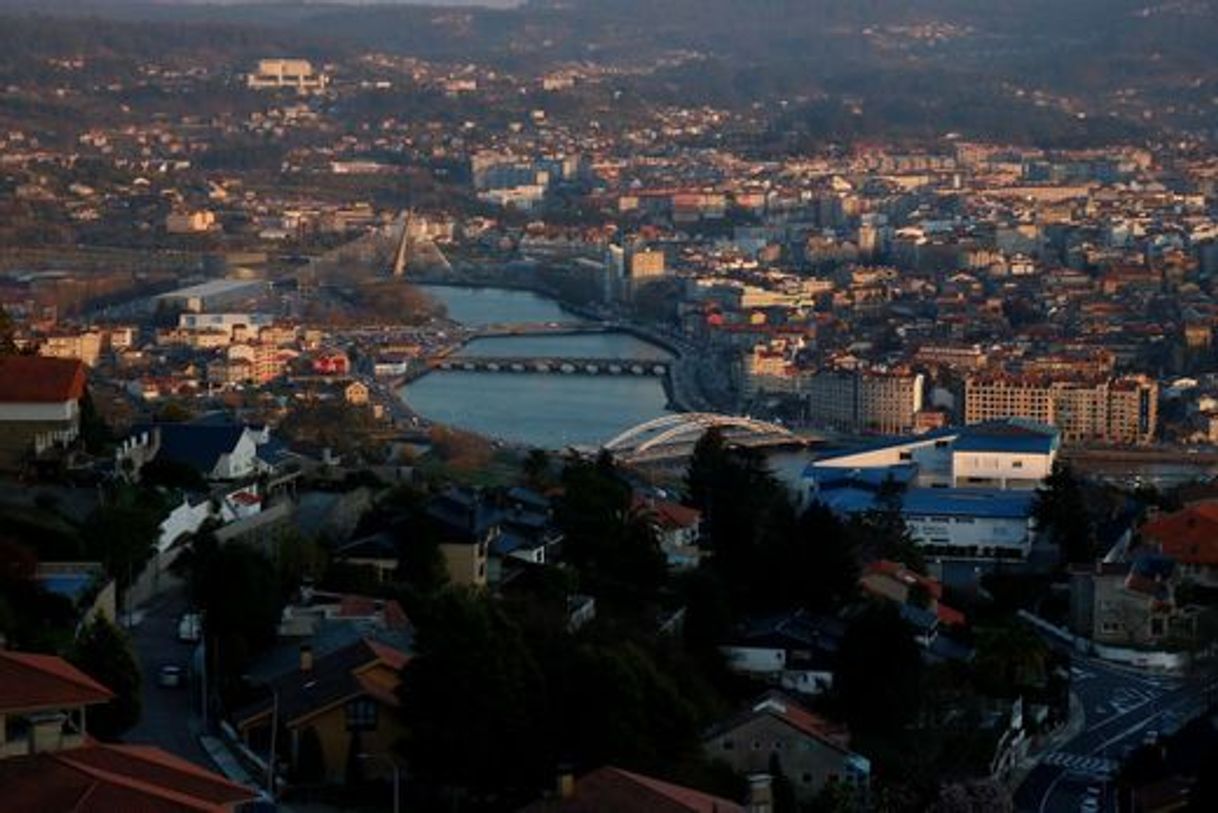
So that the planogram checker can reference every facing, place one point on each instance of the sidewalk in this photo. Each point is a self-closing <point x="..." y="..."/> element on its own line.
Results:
<point x="225" y="761"/>
<point x="1073" y="727"/>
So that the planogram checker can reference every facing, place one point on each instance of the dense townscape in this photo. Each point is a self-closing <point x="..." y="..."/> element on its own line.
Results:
<point x="579" y="408"/>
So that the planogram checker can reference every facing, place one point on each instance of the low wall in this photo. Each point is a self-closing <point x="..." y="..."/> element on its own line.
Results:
<point x="1156" y="660"/>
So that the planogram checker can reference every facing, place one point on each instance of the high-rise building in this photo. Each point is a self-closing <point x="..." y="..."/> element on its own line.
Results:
<point x="1106" y="410"/>
<point x="879" y="401"/>
<point x="297" y="74"/>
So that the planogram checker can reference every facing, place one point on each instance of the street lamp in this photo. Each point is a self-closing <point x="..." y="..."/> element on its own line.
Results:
<point x="396" y="776"/>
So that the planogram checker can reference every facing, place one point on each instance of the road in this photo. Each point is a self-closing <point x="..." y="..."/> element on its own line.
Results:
<point x="169" y="717"/>
<point x="1121" y="707"/>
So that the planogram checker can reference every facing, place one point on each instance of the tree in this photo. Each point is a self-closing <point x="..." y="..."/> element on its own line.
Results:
<point x="104" y="652"/>
<point x="610" y="542"/>
<point x="536" y="468"/>
<point x="123" y="533"/>
<point x="474" y="701"/>
<point x="1061" y="512"/>
<point x="1009" y="658"/>
<point x="879" y="668"/>
<point x="8" y="347"/>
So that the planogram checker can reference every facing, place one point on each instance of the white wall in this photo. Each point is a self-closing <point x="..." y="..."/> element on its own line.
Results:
<point x="982" y="532"/>
<point x="1002" y="466"/>
<point x="755" y="659"/>
<point x="23" y="411"/>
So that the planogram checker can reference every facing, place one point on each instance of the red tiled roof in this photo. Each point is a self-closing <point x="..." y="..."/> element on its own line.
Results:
<point x="100" y="778"/>
<point x="612" y="790"/>
<point x="668" y="514"/>
<point x="29" y="682"/>
<point x="1189" y="536"/>
<point x="36" y="379"/>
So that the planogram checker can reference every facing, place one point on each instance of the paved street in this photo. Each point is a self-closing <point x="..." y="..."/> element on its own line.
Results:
<point x="169" y="717"/>
<point x="1121" y="707"/>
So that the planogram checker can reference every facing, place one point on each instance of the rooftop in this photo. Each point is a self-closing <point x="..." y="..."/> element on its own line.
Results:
<point x="36" y="379"/>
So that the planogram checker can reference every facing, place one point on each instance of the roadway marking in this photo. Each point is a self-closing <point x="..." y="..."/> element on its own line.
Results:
<point x="1096" y="767"/>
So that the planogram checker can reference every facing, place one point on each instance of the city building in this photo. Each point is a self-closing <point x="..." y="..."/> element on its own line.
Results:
<point x="871" y="401"/>
<point x="966" y="494"/>
<point x="1116" y="411"/>
<point x="294" y="74"/>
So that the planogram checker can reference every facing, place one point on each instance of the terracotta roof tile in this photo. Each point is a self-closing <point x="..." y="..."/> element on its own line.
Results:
<point x="30" y="682"/>
<point x="1189" y="536"/>
<point x="36" y="379"/>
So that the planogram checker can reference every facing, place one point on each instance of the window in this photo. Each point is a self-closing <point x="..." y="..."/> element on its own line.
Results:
<point x="906" y="455"/>
<point x="728" y="745"/>
<point x="756" y="745"/>
<point x="806" y="778"/>
<point x="361" y="715"/>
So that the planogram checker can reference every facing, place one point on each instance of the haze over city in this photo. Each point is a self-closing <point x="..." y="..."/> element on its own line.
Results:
<point x="598" y="406"/>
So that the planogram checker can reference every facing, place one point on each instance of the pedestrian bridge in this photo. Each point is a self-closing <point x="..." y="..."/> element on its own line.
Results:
<point x="672" y="438"/>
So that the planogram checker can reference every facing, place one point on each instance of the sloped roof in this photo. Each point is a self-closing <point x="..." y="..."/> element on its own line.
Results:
<point x="99" y="778"/>
<point x="1189" y="536"/>
<point x="613" y="790"/>
<point x="29" y="682"/>
<point x="40" y="380"/>
<point x="332" y="679"/>
<point x="781" y="707"/>
<point x="199" y="446"/>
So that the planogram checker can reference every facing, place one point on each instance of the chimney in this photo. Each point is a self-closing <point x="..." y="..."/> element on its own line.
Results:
<point x="566" y="782"/>
<point x="306" y="658"/>
<point x="761" y="794"/>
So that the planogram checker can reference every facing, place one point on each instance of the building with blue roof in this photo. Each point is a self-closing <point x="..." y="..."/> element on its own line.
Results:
<point x="966" y="493"/>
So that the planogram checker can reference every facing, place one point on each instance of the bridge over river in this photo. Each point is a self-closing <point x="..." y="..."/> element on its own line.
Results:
<point x="554" y="364"/>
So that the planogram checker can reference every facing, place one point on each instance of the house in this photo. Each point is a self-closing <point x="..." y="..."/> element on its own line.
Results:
<point x="356" y="393"/>
<point x="1131" y="603"/>
<point x="678" y="528"/>
<point x="613" y="790"/>
<point x="378" y="553"/>
<point x="215" y="451"/>
<point x="39" y="407"/>
<point x="48" y="762"/>
<point x="328" y="706"/>
<point x="895" y="582"/>
<point x="467" y="525"/>
<point x="1190" y="538"/>
<point x="796" y="651"/>
<point x="811" y="751"/>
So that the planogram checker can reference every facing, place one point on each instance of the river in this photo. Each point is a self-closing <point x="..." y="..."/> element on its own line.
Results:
<point x="548" y="411"/>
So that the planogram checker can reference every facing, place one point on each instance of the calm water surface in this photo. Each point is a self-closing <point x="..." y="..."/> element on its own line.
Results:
<point x="547" y="411"/>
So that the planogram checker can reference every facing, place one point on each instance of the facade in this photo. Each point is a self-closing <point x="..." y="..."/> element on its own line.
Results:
<point x="1122" y="410"/>
<point x="468" y="527"/>
<point x="328" y="705"/>
<point x="294" y="74"/>
<point x="965" y="494"/>
<point x="812" y="752"/>
<point x="85" y="346"/>
<point x="39" y="407"/>
<point x="1129" y="603"/>
<point x="872" y="401"/>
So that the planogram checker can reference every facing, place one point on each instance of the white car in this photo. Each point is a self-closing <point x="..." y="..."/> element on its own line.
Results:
<point x="190" y="628"/>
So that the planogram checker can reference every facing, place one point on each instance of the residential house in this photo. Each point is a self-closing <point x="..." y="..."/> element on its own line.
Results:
<point x="811" y="751"/>
<point x="216" y="452"/>
<point x="796" y="651"/>
<point x="39" y="407"/>
<point x="678" y="528"/>
<point x="328" y="706"/>
<point x="1129" y="603"/>
<point x="468" y="525"/>
<point x="49" y="763"/>
<point x="1190" y="538"/>
<point x="613" y="790"/>
<point x="920" y="600"/>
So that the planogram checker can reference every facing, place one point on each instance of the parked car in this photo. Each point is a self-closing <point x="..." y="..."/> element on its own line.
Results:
<point x="190" y="628"/>
<point x="171" y="676"/>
